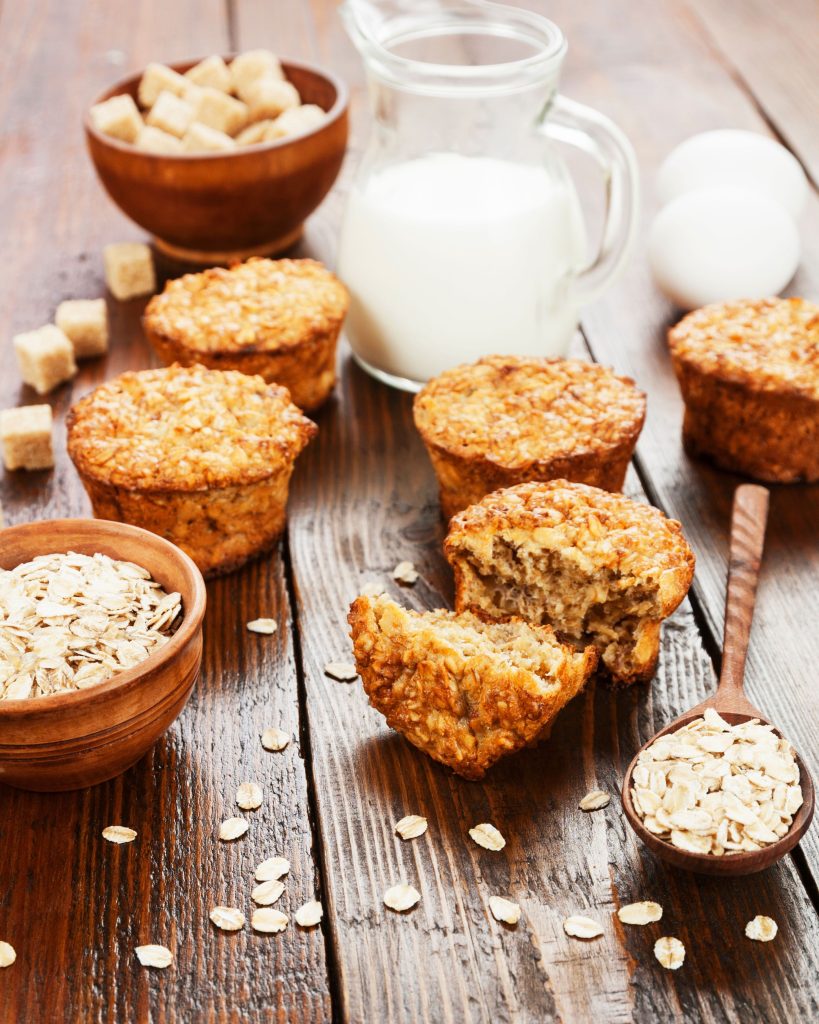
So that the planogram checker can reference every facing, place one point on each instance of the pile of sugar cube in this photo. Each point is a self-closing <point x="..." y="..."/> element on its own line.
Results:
<point x="47" y="356"/>
<point x="213" y="107"/>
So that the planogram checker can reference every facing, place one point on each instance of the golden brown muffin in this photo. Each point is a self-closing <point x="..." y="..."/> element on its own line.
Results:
<point x="597" y="567"/>
<point x="749" y="375"/>
<point x="508" y="419"/>
<point x="278" y="318"/>
<point x="201" y="457"/>
<point x="465" y="691"/>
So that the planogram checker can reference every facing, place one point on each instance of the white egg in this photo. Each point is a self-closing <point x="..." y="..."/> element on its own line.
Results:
<point x="722" y="243"/>
<point x="736" y="158"/>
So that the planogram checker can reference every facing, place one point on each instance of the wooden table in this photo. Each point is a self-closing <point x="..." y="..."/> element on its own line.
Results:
<point x="363" y="498"/>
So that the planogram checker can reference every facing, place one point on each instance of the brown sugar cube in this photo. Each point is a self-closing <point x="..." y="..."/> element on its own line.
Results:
<point x="201" y="139"/>
<point x="129" y="269"/>
<point x="294" y="121"/>
<point x="117" y="117"/>
<point x="254" y="133"/>
<point x="247" y="67"/>
<point x="220" y="111"/>
<point x="45" y="358"/>
<point x="269" y="97"/>
<point x="212" y="72"/>
<point x="154" y="140"/>
<point x="170" y="114"/>
<point x="85" y="323"/>
<point x="25" y="436"/>
<point x="158" y="79"/>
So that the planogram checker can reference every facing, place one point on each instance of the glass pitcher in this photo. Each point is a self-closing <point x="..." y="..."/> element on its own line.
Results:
<point x="463" y="234"/>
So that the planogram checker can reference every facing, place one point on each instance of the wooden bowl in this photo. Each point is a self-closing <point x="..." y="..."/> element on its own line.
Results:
<point x="76" y="739"/>
<point x="213" y="208"/>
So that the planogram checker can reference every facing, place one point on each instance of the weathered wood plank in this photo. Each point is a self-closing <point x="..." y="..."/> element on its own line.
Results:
<point x="772" y="48"/>
<point x="73" y="905"/>
<point x="636" y="83"/>
<point x="448" y="960"/>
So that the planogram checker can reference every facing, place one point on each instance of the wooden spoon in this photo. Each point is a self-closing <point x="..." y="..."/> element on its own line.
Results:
<point x="748" y="520"/>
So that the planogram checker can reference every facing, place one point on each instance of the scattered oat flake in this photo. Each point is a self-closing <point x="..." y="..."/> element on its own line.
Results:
<point x="309" y="914"/>
<point x="249" y="796"/>
<point x="267" y="627"/>
<point x="229" y="919"/>
<point x="580" y="927"/>
<point x="342" y="671"/>
<point x="8" y="954"/>
<point x="412" y="826"/>
<point x="405" y="572"/>
<point x="645" y="912"/>
<point x="268" y="892"/>
<point x="272" y="869"/>
<point x="401" y="897"/>
<point x="119" y="834"/>
<point x="487" y="836"/>
<point x="274" y="739"/>
<point x="154" y="956"/>
<point x="372" y="588"/>
<point x="595" y="801"/>
<point x="504" y="910"/>
<point x="268" y="920"/>
<point x="761" y="929"/>
<point x="670" y="952"/>
<point x="232" y="828"/>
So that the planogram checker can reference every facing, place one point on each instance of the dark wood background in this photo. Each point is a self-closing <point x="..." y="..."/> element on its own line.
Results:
<point x="364" y="498"/>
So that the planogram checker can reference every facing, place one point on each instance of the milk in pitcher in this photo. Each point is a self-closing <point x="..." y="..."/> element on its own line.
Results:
<point x="451" y="257"/>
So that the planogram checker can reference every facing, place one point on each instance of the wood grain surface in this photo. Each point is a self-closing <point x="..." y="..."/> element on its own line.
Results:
<point x="364" y="498"/>
<point x="73" y="905"/>
<point x="634" y="83"/>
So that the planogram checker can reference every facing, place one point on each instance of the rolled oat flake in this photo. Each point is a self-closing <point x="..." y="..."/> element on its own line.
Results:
<point x="274" y="739"/>
<point x="232" y="828"/>
<point x="487" y="836"/>
<point x="309" y="914"/>
<point x="229" y="919"/>
<point x="504" y="910"/>
<point x="670" y="952"/>
<point x="642" y="913"/>
<point x="154" y="955"/>
<point x="119" y="834"/>
<point x="761" y="928"/>
<point x="8" y="954"/>
<point x="580" y="927"/>
<point x="268" y="920"/>
<point x="401" y="897"/>
<point x="411" y="827"/>
<point x="272" y="869"/>
<point x="266" y="627"/>
<point x="268" y="892"/>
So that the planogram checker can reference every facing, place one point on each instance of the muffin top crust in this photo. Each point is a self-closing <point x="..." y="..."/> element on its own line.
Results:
<point x="185" y="429"/>
<point x="766" y="345"/>
<point x="258" y="306"/>
<point x="604" y="531"/>
<point x="515" y="411"/>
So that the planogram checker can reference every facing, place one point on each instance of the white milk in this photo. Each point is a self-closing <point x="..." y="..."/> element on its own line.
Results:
<point x="448" y="258"/>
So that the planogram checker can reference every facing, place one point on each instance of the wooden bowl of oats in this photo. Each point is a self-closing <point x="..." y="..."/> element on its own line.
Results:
<point x="100" y="646"/>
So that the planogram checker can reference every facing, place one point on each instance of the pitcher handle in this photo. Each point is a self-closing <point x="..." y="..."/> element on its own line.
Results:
<point x="593" y="133"/>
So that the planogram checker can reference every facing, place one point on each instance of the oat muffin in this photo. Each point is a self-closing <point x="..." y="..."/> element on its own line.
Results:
<point x="278" y="318"/>
<point x="749" y="375"/>
<point x="508" y="419"/>
<point x="465" y="691"/>
<point x="598" y="567"/>
<point x="201" y="457"/>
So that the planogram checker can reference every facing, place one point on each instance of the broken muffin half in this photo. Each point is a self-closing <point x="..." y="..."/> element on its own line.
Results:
<point x="464" y="690"/>
<point x="598" y="567"/>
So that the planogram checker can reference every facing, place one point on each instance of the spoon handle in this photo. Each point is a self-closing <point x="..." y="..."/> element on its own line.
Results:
<point x="748" y="521"/>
